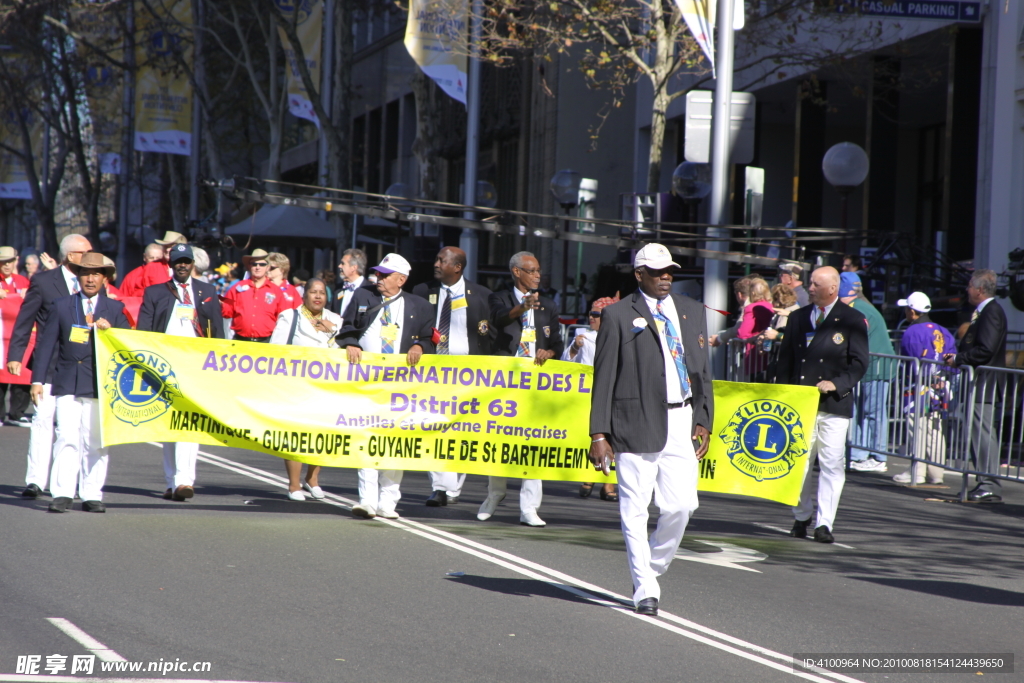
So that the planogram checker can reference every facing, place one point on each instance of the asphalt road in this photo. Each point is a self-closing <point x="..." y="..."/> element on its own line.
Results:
<point x="265" y="589"/>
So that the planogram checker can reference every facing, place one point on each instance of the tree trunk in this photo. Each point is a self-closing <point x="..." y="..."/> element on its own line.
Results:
<point x="339" y="132"/>
<point x="658" y="111"/>
<point x="426" y="134"/>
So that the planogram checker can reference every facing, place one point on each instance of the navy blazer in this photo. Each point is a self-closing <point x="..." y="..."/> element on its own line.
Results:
<point x="158" y="303"/>
<point x="417" y="328"/>
<point x="509" y="330"/>
<point x="479" y="330"/>
<point x="837" y="352"/>
<point x="74" y="372"/>
<point x="43" y="289"/>
<point x="629" y="399"/>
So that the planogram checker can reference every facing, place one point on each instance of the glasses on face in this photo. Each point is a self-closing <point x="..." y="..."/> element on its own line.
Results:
<point x="274" y="268"/>
<point x="595" y="314"/>
<point x="529" y="271"/>
<point x="259" y="265"/>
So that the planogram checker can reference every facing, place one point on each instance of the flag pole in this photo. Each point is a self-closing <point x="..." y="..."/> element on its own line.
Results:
<point x="468" y="241"/>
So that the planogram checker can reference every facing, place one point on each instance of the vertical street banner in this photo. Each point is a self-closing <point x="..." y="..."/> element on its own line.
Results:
<point x="699" y="16"/>
<point x="103" y="81"/>
<point x="163" y="92"/>
<point x="308" y="16"/>
<point x="436" y="37"/>
<point x="485" y="415"/>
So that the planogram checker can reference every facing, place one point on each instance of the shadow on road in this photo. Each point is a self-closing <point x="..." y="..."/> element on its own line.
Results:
<point x="955" y="590"/>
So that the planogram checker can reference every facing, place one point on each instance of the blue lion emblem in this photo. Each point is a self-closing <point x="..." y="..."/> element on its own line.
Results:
<point x="764" y="439"/>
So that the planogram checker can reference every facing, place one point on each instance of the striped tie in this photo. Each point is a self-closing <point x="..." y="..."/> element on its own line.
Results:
<point x="524" y="347"/>
<point x="445" y="324"/>
<point x="821" y="317"/>
<point x="386" y="345"/>
<point x="676" y="348"/>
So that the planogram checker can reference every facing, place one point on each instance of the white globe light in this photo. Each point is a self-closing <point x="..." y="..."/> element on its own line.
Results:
<point x="486" y="194"/>
<point x="845" y="165"/>
<point x="565" y="186"/>
<point x="691" y="180"/>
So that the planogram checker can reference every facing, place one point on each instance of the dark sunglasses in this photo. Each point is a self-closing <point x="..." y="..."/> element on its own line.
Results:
<point x="258" y="265"/>
<point x="595" y="314"/>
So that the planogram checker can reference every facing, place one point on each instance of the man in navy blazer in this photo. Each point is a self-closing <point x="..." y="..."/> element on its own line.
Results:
<point x="69" y="334"/>
<point x="181" y="307"/>
<point x="44" y="287"/>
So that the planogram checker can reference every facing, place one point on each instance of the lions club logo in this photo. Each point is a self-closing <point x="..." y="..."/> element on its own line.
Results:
<point x="140" y="386"/>
<point x="764" y="439"/>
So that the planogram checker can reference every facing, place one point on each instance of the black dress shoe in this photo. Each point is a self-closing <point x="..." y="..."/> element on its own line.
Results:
<point x="983" y="496"/>
<point x="799" y="529"/>
<point x="31" y="491"/>
<point x="437" y="499"/>
<point x="61" y="504"/>
<point x="94" y="506"/>
<point x="452" y="500"/>
<point x="648" y="607"/>
<point x="823" y="535"/>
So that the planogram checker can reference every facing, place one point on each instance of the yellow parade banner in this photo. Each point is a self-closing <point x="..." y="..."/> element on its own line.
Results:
<point x="486" y="415"/>
<point x="163" y="92"/>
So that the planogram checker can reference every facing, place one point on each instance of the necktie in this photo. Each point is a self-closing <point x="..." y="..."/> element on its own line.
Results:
<point x="974" y="316"/>
<point x="186" y="298"/>
<point x="88" y="311"/>
<point x="445" y="325"/>
<point x="386" y="345"/>
<point x="524" y="347"/>
<point x="821" y="317"/>
<point x="675" y="347"/>
<point x="348" y="286"/>
<point x="75" y="289"/>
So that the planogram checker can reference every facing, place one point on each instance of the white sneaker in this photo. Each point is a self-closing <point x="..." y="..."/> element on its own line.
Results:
<point x="531" y="518"/>
<point x="868" y="465"/>
<point x="387" y="514"/>
<point x="363" y="511"/>
<point x="489" y="505"/>
<point x="315" y="491"/>
<point x="297" y="495"/>
<point x="904" y="478"/>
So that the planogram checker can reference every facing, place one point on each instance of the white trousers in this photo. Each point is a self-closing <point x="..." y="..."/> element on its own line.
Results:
<point x="180" y="464"/>
<point x="450" y="482"/>
<point x="380" y="489"/>
<point x="829" y="447"/>
<point x="40" y="441"/>
<point x="671" y="476"/>
<point x="78" y="459"/>
<point x="531" y="491"/>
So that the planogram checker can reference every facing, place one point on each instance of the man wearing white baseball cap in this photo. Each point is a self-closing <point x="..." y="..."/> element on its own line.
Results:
<point x="388" y="321"/>
<point x="652" y="413"/>
<point x="927" y="341"/>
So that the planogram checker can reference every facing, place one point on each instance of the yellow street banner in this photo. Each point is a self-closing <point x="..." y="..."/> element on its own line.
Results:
<point x="99" y="25"/>
<point x="436" y="39"/>
<point x="163" y="92"/>
<point x="308" y="16"/>
<point x="761" y="440"/>
<point x="486" y="415"/>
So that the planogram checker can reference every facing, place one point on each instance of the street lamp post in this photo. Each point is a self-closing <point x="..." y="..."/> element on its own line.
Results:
<point x="845" y="166"/>
<point x="691" y="182"/>
<point x="565" y="186"/>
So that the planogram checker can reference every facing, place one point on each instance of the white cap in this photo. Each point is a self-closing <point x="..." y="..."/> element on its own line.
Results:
<point x="393" y="263"/>
<point x="654" y="256"/>
<point x="918" y="301"/>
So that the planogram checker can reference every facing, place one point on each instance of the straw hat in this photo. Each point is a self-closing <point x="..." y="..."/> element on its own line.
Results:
<point x="93" y="259"/>
<point x="256" y="254"/>
<point x="8" y="253"/>
<point x="110" y="264"/>
<point x="171" y="237"/>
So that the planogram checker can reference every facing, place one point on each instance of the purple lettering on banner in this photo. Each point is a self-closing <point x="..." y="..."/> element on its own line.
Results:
<point x="256" y="365"/>
<point x="466" y="376"/>
<point x="416" y="373"/>
<point x="245" y="364"/>
<point x="316" y="368"/>
<point x="483" y="378"/>
<point x="281" y="368"/>
<point x="389" y="374"/>
<point x="295" y="367"/>
<point x="431" y="376"/>
<point x="211" y="361"/>
<point x="332" y="371"/>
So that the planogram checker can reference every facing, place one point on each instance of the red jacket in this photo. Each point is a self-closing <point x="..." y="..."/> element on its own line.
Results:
<point x="254" y="310"/>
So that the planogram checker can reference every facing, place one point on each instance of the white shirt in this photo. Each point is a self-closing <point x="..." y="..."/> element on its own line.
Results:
<point x="530" y="324"/>
<point x="71" y="279"/>
<point x="458" y="335"/>
<point x="983" y="304"/>
<point x="305" y="333"/>
<point x="584" y="354"/>
<point x="180" y="324"/>
<point x="346" y="298"/>
<point x="815" y="310"/>
<point x="673" y="387"/>
<point x="370" y="341"/>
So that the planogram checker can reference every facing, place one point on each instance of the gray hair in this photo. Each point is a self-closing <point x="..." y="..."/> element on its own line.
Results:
<point x="517" y="259"/>
<point x="67" y="245"/>
<point x="155" y="250"/>
<point x="358" y="257"/>
<point x="201" y="259"/>
<point x="984" y="280"/>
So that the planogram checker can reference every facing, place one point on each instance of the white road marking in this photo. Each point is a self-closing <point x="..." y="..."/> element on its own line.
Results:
<point x="30" y="678"/>
<point x="731" y="556"/>
<point x="578" y="587"/>
<point x="786" y="531"/>
<point x="94" y="646"/>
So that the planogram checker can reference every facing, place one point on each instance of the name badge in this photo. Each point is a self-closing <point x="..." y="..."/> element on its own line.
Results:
<point x="389" y="332"/>
<point x="432" y="299"/>
<point x="810" y="336"/>
<point x="529" y="335"/>
<point x="459" y="303"/>
<point x="79" y="334"/>
<point x="184" y="312"/>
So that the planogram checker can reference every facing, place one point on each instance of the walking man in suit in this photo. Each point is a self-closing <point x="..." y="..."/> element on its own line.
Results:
<point x="352" y="268"/>
<point x="68" y="335"/>
<point x="826" y="346"/>
<point x="43" y="289"/>
<point x="387" y="321"/>
<point x="525" y="326"/>
<point x="183" y="307"/>
<point x="652" y="413"/>
<point x="464" y="328"/>
<point x="984" y="343"/>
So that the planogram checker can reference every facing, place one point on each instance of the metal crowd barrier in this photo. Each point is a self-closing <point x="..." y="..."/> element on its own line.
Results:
<point x="965" y="420"/>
